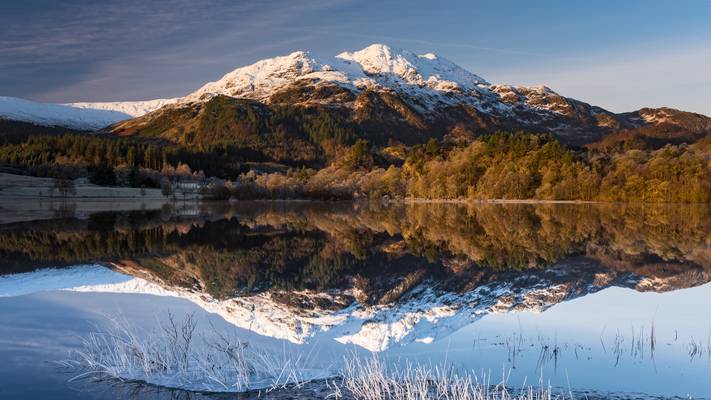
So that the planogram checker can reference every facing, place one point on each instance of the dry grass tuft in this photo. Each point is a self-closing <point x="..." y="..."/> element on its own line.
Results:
<point x="176" y="357"/>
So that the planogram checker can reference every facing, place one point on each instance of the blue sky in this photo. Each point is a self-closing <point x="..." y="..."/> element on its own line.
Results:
<point x="621" y="55"/>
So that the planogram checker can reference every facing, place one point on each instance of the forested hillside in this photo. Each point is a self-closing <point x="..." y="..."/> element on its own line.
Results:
<point x="498" y="166"/>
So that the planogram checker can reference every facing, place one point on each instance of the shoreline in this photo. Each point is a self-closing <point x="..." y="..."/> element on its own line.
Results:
<point x="504" y="201"/>
<point x="27" y="188"/>
<point x="409" y="200"/>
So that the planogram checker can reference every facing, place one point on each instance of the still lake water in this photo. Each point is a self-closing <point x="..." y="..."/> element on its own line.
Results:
<point x="599" y="300"/>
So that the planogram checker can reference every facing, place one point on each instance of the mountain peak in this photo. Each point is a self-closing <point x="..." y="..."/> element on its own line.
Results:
<point x="377" y="64"/>
<point x="426" y="69"/>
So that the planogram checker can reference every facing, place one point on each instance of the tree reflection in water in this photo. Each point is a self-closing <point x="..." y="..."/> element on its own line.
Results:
<point x="383" y="251"/>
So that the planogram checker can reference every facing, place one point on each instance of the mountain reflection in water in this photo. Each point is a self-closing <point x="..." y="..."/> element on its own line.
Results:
<point x="394" y="279"/>
<point x="381" y="252"/>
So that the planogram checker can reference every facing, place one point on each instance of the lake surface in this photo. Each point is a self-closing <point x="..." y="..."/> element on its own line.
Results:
<point x="597" y="301"/>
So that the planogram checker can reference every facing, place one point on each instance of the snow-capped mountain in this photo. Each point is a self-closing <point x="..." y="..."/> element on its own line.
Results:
<point x="80" y="116"/>
<point x="429" y="80"/>
<point x="384" y="90"/>
<point x="376" y="66"/>
<point x="388" y="90"/>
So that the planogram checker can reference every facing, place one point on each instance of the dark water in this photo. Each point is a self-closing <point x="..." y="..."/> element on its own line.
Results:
<point x="599" y="300"/>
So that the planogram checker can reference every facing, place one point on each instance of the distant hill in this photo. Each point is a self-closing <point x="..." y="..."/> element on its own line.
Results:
<point x="656" y="127"/>
<point x="78" y="116"/>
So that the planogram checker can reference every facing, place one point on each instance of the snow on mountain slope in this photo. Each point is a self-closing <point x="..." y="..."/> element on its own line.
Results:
<point x="132" y="108"/>
<point x="58" y="114"/>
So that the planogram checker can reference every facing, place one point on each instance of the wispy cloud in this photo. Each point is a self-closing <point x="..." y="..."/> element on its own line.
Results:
<point x="102" y="29"/>
<point x="119" y="43"/>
